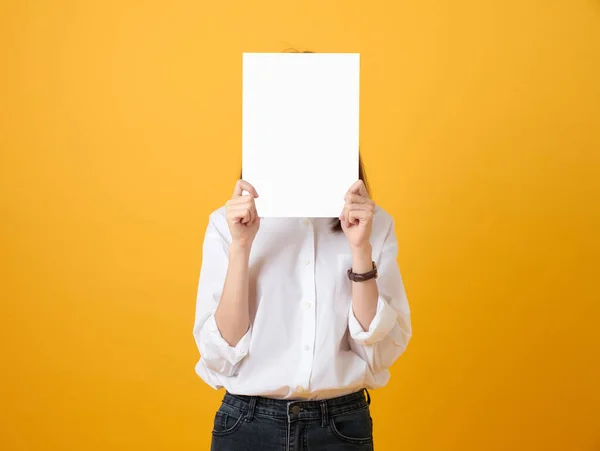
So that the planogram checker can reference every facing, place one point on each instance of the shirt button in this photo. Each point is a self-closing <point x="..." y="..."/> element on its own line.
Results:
<point x="306" y="347"/>
<point x="307" y="262"/>
<point x="307" y="305"/>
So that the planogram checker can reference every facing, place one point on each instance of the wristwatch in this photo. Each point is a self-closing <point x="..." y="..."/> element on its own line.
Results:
<point x="365" y="276"/>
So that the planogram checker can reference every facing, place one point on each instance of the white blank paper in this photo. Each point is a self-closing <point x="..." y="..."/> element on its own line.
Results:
<point x="300" y="131"/>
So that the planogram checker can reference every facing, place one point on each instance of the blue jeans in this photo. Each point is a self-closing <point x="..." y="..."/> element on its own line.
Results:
<point x="253" y="423"/>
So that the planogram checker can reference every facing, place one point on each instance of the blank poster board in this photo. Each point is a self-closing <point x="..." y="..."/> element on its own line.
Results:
<point x="300" y="131"/>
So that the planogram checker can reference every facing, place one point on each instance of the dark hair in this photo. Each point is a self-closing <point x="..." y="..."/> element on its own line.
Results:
<point x="293" y="50"/>
<point x="336" y="224"/>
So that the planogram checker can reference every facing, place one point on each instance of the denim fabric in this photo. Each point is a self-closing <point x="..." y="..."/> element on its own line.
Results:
<point x="250" y="423"/>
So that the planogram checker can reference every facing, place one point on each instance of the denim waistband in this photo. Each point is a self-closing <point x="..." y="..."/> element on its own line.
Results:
<point x="283" y="408"/>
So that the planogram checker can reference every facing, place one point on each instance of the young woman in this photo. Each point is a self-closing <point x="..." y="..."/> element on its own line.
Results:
<point x="296" y="318"/>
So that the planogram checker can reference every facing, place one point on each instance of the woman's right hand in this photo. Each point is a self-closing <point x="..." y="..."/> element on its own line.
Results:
<point x="242" y="217"/>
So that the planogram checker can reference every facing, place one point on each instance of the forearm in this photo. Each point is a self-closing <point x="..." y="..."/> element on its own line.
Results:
<point x="364" y="294"/>
<point x="233" y="313"/>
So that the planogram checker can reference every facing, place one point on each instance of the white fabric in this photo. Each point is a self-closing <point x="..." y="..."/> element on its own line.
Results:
<point x="304" y="341"/>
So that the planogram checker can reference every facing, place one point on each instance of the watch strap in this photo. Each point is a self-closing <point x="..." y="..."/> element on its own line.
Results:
<point x="364" y="276"/>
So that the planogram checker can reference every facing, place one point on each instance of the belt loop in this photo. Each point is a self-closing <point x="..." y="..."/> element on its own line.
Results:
<point x="324" y="415"/>
<point x="368" y="397"/>
<point x="250" y="413"/>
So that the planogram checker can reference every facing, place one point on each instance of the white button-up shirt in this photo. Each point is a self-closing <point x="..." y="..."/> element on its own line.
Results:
<point x="304" y="341"/>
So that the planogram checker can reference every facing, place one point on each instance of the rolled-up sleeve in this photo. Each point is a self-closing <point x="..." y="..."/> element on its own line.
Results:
<point x="215" y="352"/>
<point x="390" y="330"/>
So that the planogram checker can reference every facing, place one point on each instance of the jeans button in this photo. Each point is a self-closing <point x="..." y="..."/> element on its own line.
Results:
<point x="295" y="410"/>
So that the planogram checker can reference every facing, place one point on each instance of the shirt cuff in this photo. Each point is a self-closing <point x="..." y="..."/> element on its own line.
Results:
<point x="382" y="324"/>
<point x="220" y="349"/>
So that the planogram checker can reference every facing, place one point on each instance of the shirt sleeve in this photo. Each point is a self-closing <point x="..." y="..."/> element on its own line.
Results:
<point x="216" y="353"/>
<point x="390" y="330"/>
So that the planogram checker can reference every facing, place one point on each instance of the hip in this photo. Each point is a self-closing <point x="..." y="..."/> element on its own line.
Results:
<point x="254" y="422"/>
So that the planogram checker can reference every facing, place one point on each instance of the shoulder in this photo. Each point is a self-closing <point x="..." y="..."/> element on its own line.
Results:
<point x="219" y="215"/>
<point x="382" y="221"/>
<point x="383" y="227"/>
<point x="217" y="221"/>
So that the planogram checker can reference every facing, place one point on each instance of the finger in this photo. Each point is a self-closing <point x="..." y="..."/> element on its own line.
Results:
<point x="348" y="209"/>
<point x="239" y="218"/>
<point x="363" y="207"/>
<point x="344" y="220"/>
<point x="359" y="187"/>
<point x="253" y="214"/>
<point x="242" y="200"/>
<point x="242" y="185"/>
<point x="342" y="217"/>
<point x="238" y="209"/>
<point x="247" y="219"/>
<point x="355" y="216"/>
<point x="347" y="215"/>
<point x="239" y="214"/>
<point x="356" y="198"/>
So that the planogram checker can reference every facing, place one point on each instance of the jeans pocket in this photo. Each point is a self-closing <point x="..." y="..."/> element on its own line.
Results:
<point x="228" y="419"/>
<point x="354" y="427"/>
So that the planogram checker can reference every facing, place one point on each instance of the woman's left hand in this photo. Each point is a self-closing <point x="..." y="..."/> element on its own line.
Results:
<point x="357" y="216"/>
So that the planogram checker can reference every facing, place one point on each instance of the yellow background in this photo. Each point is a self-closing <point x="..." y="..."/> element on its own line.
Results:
<point x="120" y="132"/>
